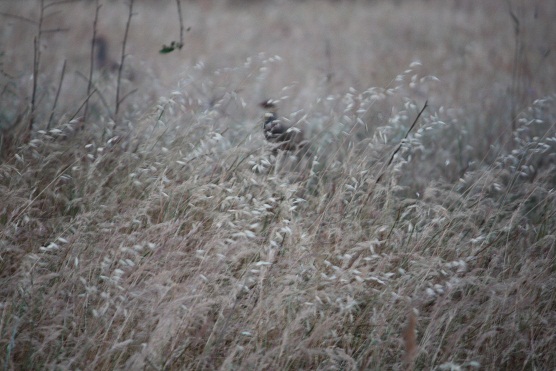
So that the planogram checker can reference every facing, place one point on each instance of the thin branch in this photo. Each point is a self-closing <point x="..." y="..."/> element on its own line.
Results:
<point x="403" y="140"/>
<point x="57" y="96"/>
<point x="127" y="95"/>
<point x="18" y="17"/>
<point x="51" y="14"/>
<point x="515" y="68"/>
<point x="36" y="65"/>
<point x="95" y="90"/>
<point x="54" y="30"/>
<point x="394" y="153"/>
<point x="178" y="3"/>
<point x="82" y="104"/>
<point x="54" y="3"/>
<point x="328" y="57"/>
<point x="92" y="58"/>
<point x="122" y="60"/>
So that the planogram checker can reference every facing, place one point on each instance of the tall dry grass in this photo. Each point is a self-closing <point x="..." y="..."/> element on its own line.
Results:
<point x="170" y="237"/>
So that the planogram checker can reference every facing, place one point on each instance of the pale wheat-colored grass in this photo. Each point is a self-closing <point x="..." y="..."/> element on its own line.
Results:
<point x="176" y="240"/>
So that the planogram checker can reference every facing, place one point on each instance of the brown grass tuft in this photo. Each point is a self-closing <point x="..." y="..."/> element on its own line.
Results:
<point x="409" y="336"/>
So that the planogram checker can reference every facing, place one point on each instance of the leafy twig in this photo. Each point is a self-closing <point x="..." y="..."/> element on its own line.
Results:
<point x="175" y="44"/>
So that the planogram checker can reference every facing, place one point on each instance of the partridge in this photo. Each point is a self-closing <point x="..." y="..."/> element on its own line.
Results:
<point x="286" y="138"/>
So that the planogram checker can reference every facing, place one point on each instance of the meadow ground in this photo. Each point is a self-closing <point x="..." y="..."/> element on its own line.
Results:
<point x="146" y="224"/>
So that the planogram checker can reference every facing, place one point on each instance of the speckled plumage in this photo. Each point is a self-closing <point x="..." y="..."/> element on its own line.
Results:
<point x="275" y="131"/>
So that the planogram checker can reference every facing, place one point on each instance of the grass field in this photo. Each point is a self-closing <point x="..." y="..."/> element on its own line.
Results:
<point x="145" y="223"/>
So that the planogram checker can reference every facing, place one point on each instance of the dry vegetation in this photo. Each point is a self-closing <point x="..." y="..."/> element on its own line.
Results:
<point x="166" y="235"/>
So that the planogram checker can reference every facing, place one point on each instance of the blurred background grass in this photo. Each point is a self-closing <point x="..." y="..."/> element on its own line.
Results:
<point x="326" y="47"/>
<point x="168" y="237"/>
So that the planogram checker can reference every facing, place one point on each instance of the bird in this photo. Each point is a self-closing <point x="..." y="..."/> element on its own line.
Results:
<point x="286" y="138"/>
<point x="102" y="59"/>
